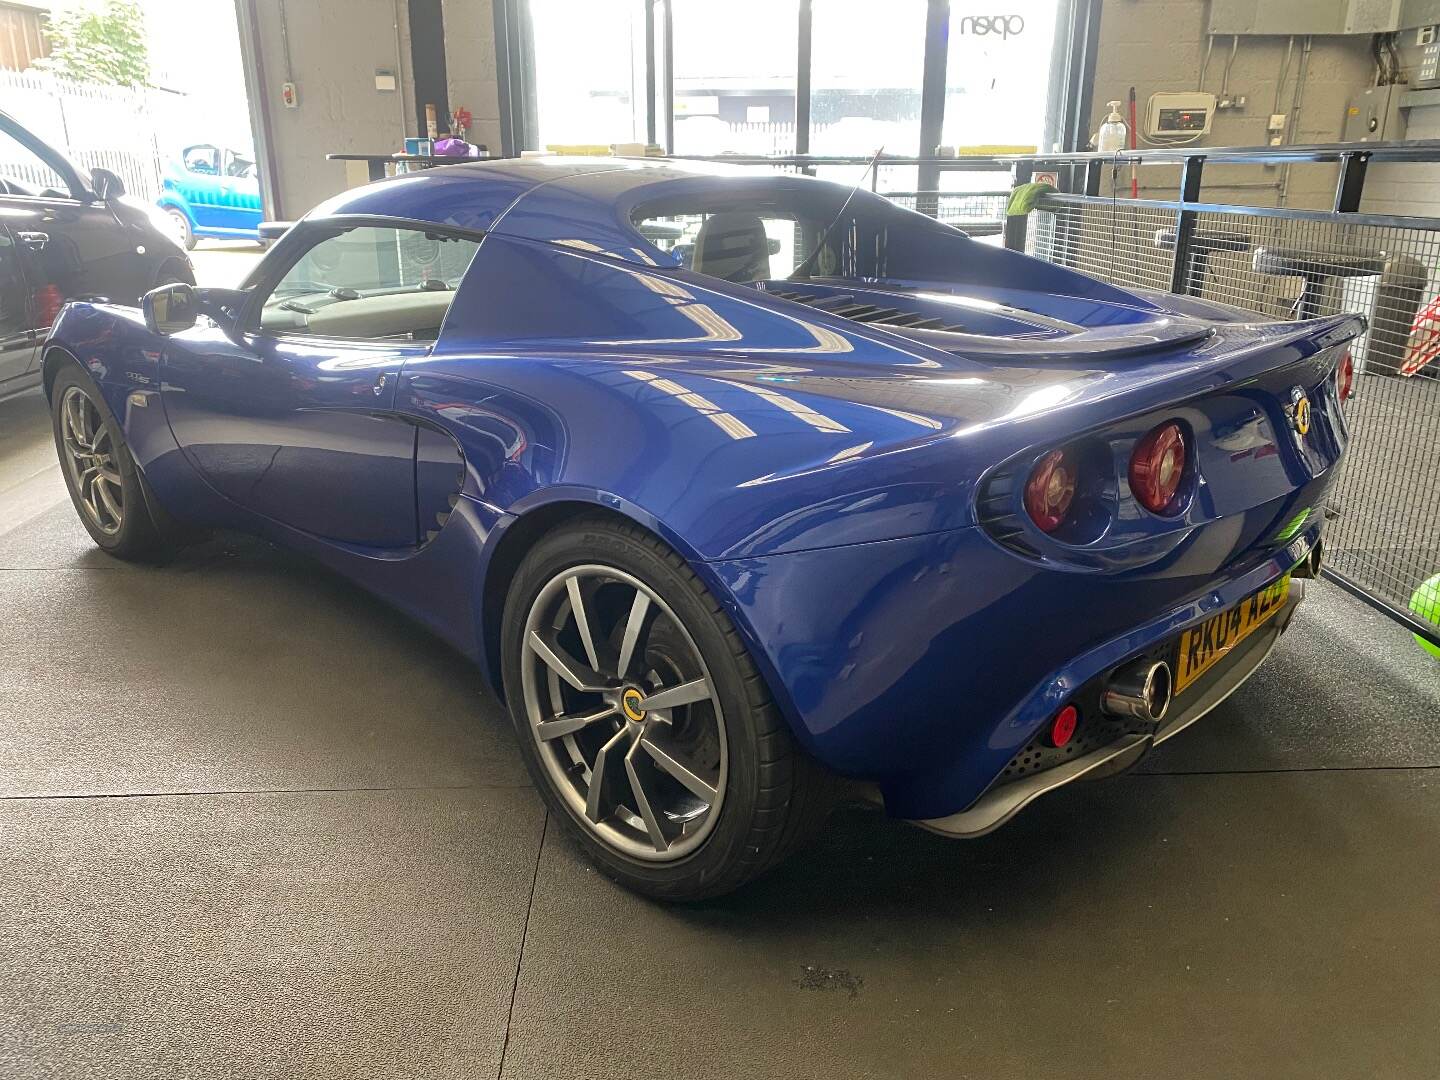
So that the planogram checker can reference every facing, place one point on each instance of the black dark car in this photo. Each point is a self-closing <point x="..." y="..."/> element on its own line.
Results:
<point x="65" y="237"/>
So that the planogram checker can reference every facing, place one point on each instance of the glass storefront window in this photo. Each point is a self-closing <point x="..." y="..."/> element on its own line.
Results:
<point x="735" y="76"/>
<point x="734" y="80"/>
<point x="589" y="71"/>
<point x="866" y="69"/>
<point x="997" y="73"/>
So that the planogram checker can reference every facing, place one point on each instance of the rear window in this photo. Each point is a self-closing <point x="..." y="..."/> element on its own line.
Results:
<point x="740" y="245"/>
<point x="773" y="234"/>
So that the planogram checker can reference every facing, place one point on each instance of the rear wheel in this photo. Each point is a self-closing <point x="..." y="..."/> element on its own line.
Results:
<point x="180" y="224"/>
<point x="643" y="720"/>
<point x="104" y="484"/>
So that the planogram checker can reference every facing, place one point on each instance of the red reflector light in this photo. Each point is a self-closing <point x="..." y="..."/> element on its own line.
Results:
<point x="1345" y="376"/>
<point x="48" y="302"/>
<point x="1050" y="490"/>
<point x="1062" y="728"/>
<point x="1157" y="467"/>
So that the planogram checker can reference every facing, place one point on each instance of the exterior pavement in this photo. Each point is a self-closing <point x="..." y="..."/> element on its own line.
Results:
<point x="254" y="824"/>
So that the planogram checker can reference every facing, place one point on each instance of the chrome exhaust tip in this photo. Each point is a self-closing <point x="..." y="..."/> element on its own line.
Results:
<point x="1312" y="564"/>
<point x="1139" y="691"/>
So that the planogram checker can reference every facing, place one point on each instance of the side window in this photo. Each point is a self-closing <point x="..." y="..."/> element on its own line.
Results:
<point x="204" y="160"/>
<point x="370" y="284"/>
<point x="738" y="245"/>
<point x="23" y="172"/>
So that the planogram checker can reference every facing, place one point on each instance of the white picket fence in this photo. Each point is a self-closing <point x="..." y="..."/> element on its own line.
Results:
<point x="94" y="125"/>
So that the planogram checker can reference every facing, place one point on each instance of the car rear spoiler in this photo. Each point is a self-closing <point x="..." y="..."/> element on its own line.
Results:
<point x="273" y="230"/>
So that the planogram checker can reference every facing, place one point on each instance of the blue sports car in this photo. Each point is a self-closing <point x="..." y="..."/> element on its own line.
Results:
<point x="741" y="489"/>
<point x="211" y="192"/>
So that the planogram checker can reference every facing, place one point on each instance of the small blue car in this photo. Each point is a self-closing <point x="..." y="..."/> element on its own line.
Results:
<point x="214" y="192"/>
<point x="735" y="486"/>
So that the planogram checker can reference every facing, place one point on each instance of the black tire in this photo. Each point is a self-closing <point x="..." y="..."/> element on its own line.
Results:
<point x="774" y="796"/>
<point x="183" y="232"/>
<point x="135" y="537"/>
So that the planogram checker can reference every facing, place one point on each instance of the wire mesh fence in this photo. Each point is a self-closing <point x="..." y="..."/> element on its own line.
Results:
<point x="1384" y="533"/>
<point x="980" y="213"/>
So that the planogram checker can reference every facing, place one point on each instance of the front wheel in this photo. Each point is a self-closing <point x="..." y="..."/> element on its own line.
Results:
<point x="104" y="483"/>
<point x="643" y="720"/>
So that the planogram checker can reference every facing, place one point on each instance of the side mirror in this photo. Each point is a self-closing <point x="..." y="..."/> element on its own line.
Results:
<point x="106" y="185"/>
<point x="170" y="308"/>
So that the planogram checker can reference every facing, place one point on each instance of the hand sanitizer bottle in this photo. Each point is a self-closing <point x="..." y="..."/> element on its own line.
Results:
<point x="1112" y="131"/>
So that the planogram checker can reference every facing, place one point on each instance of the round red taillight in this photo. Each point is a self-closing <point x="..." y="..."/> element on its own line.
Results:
<point x="1157" y="466"/>
<point x="1050" y="490"/>
<point x="1345" y="376"/>
<point x="1062" y="728"/>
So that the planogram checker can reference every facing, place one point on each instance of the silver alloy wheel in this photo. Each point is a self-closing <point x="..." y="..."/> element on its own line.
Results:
<point x="91" y="461"/>
<point x="632" y="735"/>
<point x="180" y="227"/>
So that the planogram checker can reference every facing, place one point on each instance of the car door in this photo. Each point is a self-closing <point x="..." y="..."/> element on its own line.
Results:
<point x="69" y="243"/>
<point x="290" y="414"/>
<point x="17" y="338"/>
<point x="199" y="183"/>
<point x="239" y="208"/>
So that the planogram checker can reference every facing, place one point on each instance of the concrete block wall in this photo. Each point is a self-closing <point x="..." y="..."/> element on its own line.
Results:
<point x="1407" y="189"/>
<point x="470" y="66"/>
<point x="1160" y="45"/>
<point x="336" y="46"/>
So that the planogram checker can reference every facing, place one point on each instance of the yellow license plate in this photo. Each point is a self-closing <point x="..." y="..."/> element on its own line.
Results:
<point x="1204" y="646"/>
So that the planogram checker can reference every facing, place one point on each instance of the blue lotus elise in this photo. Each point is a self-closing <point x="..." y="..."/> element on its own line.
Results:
<point x="742" y="489"/>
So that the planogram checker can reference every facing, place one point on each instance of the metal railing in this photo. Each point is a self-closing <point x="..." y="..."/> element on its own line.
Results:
<point x="1383" y="539"/>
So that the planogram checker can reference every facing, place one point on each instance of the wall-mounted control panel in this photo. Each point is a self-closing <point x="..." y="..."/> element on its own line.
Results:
<point x="1179" y="114"/>
<point x="1373" y="115"/>
<point x="1425" y="61"/>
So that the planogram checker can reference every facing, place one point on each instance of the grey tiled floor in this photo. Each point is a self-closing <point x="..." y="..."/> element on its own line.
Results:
<point x="253" y="824"/>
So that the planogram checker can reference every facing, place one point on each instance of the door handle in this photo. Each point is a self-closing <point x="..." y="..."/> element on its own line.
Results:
<point x="33" y="241"/>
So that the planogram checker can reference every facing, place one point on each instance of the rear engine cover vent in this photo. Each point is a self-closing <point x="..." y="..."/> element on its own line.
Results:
<point x="847" y="307"/>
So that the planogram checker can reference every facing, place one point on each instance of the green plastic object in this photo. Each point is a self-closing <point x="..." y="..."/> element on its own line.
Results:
<point x="1293" y="527"/>
<point x="1426" y="604"/>
<point x="1024" y="198"/>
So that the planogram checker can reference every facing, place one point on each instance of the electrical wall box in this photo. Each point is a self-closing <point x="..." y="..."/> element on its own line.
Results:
<point x="1423" y="59"/>
<point x="1286" y="17"/>
<point x="1171" y="114"/>
<point x="1373" y="115"/>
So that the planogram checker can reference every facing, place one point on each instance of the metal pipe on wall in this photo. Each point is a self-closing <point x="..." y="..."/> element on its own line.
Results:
<point x="400" y="73"/>
<point x="1284" y="73"/>
<point x="1292" y="124"/>
<point x="285" y="44"/>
